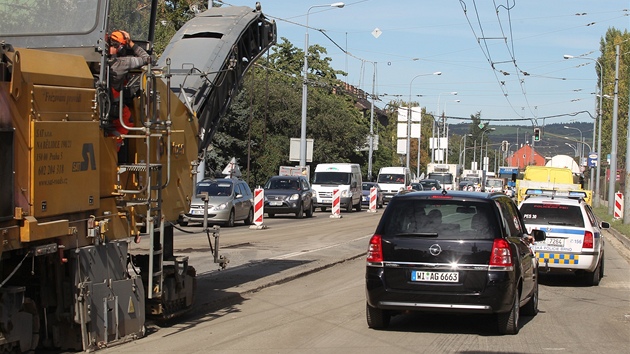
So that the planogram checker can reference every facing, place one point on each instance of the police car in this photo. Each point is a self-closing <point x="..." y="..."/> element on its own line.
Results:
<point x="574" y="242"/>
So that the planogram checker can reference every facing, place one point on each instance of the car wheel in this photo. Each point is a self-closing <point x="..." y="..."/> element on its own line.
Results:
<point x="508" y="322"/>
<point x="271" y="215"/>
<point x="309" y="211"/>
<point x="358" y="207"/>
<point x="349" y="207"/>
<point x="300" y="212"/>
<point x="230" y="221"/>
<point x="593" y="278"/>
<point x="183" y="223"/>
<point x="377" y="318"/>
<point x="531" y="308"/>
<point x="250" y="217"/>
<point x="323" y="209"/>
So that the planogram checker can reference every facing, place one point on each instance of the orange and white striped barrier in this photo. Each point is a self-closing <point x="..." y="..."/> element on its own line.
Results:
<point x="618" y="209"/>
<point x="259" y="209"/>
<point x="372" y="208"/>
<point x="336" y="204"/>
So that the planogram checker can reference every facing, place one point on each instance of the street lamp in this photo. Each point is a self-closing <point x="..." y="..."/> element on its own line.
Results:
<point x="599" y="129"/>
<point x="481" y="145"/>
<point x="436" y="116"/>
<point x="409" y="121"/>
<point x="460" y="147"/>
<point x="305" y="86"/>
<point x="581" y="154"/>
<point x="572" y="147"/>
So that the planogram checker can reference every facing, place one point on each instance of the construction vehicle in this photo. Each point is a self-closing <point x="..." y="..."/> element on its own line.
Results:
<point x="71" y="203"/>
<point x="447" y="174"/>
<point x="545" y="178"/>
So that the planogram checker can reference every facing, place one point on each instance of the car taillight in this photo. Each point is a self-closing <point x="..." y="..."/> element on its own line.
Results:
<point x="375" y="250"/>
<point x="500" y="255"/>
<point x="588" y="240"/>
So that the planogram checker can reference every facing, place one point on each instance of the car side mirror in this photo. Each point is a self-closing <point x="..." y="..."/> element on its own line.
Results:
<point x="539" y="235"/>
<point x="605" y="225"/>
<point x="239" y="196"/>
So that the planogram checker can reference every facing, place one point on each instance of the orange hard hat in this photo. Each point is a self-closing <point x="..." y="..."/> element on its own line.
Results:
<point x="119" y="37"/>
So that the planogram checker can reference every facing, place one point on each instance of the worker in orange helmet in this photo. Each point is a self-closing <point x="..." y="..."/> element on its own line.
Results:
<point x="124" y="55"/>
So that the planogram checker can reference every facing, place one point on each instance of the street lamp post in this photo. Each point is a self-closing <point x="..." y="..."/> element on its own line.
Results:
<point x="408" y="152"/>
<point x="460" y="148"/>
<point x="481" y="145"/>
<point x="437" y="115"/>
<point x="599" y="129"/>
<point x="581" y="149"/>
<point x="305" y="86"/>
<point x="572" y="147"/>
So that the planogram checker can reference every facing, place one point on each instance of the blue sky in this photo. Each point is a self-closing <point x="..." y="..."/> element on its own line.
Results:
<point x="420" y="37"/>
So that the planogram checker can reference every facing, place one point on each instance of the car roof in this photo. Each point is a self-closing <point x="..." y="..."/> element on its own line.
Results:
<point x="287" y="177"/>
<point x="555" y="200"/>
<point x="451" y="193"/>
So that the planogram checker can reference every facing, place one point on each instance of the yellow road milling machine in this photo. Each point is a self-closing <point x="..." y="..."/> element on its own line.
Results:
<point x="72" y="199"/>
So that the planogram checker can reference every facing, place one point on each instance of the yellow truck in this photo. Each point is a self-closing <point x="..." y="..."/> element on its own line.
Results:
<point x="549" y="179"/>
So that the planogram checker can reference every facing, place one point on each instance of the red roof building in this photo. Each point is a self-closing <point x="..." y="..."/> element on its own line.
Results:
<point x="525" y="156"/>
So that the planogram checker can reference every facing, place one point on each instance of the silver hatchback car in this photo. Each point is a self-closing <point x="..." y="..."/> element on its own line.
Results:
<point x="229" y="200"/>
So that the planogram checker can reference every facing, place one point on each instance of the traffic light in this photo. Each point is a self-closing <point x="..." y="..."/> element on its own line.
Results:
<point x="536" y="134"/>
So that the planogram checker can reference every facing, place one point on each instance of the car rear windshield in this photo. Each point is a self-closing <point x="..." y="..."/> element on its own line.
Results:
<point x="552" y="214"/>
<point x="282" y="183"/>
<point x="441" y="218"/>
<point x="215" y="189"/>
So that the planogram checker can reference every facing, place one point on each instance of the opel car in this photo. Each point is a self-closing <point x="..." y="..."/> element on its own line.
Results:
<point x="452" y="252"/>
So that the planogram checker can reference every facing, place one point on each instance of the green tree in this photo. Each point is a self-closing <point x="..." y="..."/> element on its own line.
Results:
<point x="267" y="113"/>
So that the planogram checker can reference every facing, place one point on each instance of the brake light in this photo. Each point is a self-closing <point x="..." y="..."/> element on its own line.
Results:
<point x="588" y="240"/>
<point x="500" y="255"/>
<point x="375" y="250"/>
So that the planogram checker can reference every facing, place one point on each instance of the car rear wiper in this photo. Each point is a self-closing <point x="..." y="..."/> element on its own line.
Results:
<point x="419" y="234"/>
<point x="559" y="223"/>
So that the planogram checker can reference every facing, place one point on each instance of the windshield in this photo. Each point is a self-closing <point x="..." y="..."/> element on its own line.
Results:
<point x="28" y="17"/>
<point x="332" y="178"/>
<point x="282" y="183"/>
<point x="494" y="183"/>
<point x="215" y="189"/>
<point x="368" y="186"/>
<point x="391" y="178"/>
<point x="552" y="214"/>
<point x="443" y="178"/>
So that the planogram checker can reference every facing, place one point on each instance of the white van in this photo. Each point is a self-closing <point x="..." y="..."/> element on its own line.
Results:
<point x="343" y="176"/>
<point x="392" y="180"/>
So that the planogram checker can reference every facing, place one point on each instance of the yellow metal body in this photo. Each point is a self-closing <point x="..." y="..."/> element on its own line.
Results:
<point x="549" y="178"/>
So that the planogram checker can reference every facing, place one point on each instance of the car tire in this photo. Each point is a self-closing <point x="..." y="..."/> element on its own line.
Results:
<point x="358" y="207"/>
<point x="183" y="223"/>
<point x="300" y="212"/>
<point x="377" y="318"/>
<point x="323" y="209"/>
<point x="250" y="217"/>
<point x="349" y="207"/>
<point x="531" y="308"/>
<point x="508" y="321"/>
<point x="230" y="221"/>
<point x="271" y="215"/>
<point x="309" y="211"/>
<point x="593" y="278"/>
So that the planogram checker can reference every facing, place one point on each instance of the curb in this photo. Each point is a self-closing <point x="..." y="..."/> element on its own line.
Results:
<point x="620" y="237"/>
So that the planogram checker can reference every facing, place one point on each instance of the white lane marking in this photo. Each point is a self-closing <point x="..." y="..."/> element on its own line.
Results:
<point x="299" y="253"/>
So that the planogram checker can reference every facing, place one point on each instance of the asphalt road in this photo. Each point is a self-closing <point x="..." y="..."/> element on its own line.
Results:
<point x="298" y="286"/>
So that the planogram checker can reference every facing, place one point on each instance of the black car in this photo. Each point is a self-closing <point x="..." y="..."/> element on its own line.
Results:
<point x="417" y="186"/>
<point x="430" y="184"/>
<point x="288" y="195"/>
<point x="455" y="252"/>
